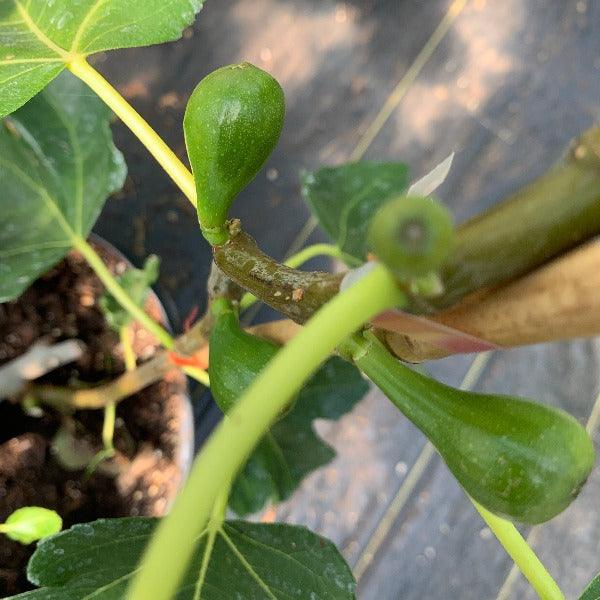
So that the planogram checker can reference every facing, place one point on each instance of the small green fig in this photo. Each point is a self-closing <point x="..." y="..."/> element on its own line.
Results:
<point x="517" y="458"/>
<point x="411" y="235"/>
<point x="232" y="122"/>
<point x="235" y="357"/>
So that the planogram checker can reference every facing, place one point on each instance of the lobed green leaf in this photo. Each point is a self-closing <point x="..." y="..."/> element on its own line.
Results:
<point x="344" y="199"/>
<point x="292" y="450"/>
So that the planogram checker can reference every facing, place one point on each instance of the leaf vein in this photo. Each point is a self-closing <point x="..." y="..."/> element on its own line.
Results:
<point x="255" y="542"/>
<point x="21" y="61"/>
<point x="43" y="194"/>
<point x="78" y="164"/>
<point x="38" y="33"/>
<point x="21" y="73"/>
<point x="262" y="584"/>
<point x="110" y="585"/>
<point x="33" y="247"/>
<point x="81" y="30"/>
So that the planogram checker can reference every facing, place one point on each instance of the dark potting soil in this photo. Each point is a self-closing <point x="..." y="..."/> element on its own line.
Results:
<point x="143" y="477"/>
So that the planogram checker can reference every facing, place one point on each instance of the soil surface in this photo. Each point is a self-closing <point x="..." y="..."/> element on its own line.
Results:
<point x="143" y="476"/>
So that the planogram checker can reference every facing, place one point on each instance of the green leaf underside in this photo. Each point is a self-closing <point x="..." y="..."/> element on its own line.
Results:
<point x="38" y="37"/>
<point x="58" y="165"/>
<point x="345" y="198"/>
<point x="251" y="561"/>
<point x="592" y="592"/>
<point x="292" y="450"/>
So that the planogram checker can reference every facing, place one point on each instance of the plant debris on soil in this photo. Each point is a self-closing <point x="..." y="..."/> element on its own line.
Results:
<point x="145" y="473"/>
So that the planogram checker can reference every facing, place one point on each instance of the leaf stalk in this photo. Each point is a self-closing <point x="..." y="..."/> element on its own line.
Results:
<point x="165" y="157"/>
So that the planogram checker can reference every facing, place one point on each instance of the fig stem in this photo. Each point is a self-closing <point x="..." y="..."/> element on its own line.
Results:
<point x="122" y="297"/>
<point x="522" y="555"/>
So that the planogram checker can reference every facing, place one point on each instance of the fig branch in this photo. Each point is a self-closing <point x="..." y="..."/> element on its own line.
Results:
<point x="297" y="260"/>
<point x="294" y="293"/>
<point x="554" y="213"/>
<point x="129" y="382"/>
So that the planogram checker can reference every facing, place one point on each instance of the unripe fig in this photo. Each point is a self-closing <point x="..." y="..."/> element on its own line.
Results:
<point x="412" y="236"/>
<point x="517" y="458"/>
<point x="232" y="123"/>
<point x="235" y="357"/>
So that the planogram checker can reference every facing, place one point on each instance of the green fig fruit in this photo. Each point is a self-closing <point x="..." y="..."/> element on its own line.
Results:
<point x="232" y="123"/>
<point x="411" y="235"/>
<point x="517" y="458"/>
<point x="235" y="357"/>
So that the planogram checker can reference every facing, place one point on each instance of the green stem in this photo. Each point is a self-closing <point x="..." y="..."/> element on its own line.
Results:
<point x="522" y="554"/>
<point x="215" y="525"/>
<point x="167" y="159"/>
<point x="122" y="297"/>
<point x="200" y="375"/>
<point x="161" y="568"/>
<point x="381" y="367"/>
<point x="108" y="427"/>
<point x="298" y="259"/>
<point x="127" y="346"/>
<point x="110" y="410"/>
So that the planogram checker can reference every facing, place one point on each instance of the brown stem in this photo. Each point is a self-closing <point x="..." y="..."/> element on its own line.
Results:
<point x="128" y="383"/>
<point x="131" y="382"/>
<point x="296" y="294"/>
<point x="123" y="386"/>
